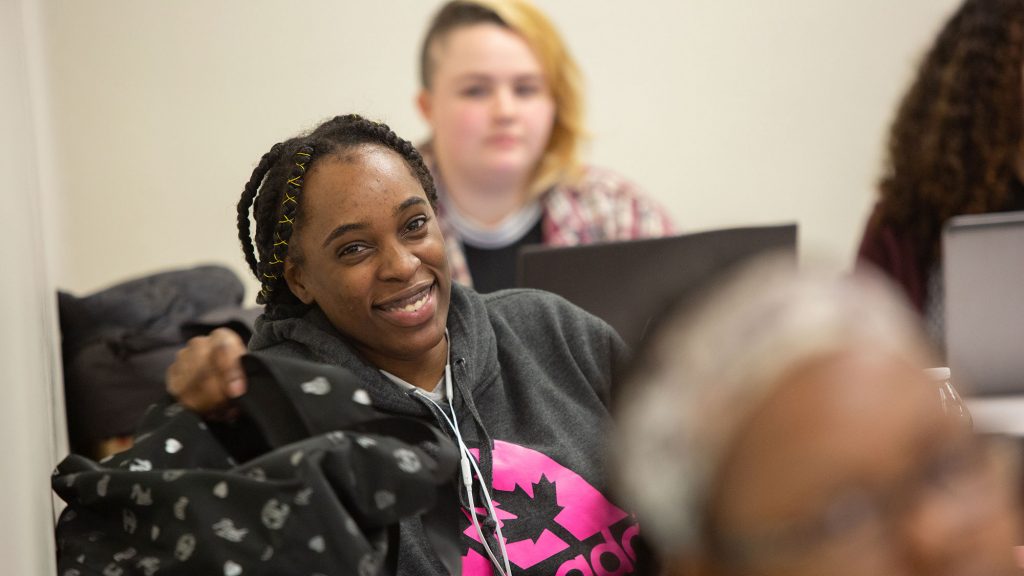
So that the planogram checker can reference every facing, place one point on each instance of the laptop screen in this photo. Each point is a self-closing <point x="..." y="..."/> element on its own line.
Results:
<point x="983" y="278"/>
<point x="628" y="284"/>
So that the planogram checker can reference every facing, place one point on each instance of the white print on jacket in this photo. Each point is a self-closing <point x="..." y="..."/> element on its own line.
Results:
<point x="274" y="514"/>
<point x="318" y="386"/>
<point x="142" y="496"/>
<point x="226" y="529"/>
<point x="185" y="547"/>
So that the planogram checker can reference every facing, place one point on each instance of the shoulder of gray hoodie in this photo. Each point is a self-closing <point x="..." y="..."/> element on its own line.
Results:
<point x="536" y="369"/>
<point x="536" y="337"/>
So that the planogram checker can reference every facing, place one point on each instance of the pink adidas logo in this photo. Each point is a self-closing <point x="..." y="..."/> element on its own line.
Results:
<point x="553" y="519"/>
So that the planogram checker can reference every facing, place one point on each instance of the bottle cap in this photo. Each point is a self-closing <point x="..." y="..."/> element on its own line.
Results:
<point x="939" y="374"/>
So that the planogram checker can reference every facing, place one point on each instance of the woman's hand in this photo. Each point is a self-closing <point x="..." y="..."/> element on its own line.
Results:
<point x="207" y="373"/>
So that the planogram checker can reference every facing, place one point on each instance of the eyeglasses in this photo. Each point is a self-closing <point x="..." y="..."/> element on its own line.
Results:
<point x="967" y="479"/>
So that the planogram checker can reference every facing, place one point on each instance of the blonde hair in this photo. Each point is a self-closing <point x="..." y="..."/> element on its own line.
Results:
<point x="560" y="161"/>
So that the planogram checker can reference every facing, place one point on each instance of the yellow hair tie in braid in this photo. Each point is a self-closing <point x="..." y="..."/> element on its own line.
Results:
<point x="296" y="181"/>
<point x="291" y="196"/>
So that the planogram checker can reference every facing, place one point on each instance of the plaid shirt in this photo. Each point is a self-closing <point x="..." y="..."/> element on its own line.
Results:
<point x="600" y="207"/>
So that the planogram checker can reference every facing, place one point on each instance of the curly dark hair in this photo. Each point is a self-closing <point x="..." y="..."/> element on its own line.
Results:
<point x="274" y="194"/>
<point x="955" y="144"/>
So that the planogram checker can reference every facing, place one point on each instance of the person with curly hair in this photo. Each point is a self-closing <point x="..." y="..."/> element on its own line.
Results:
<point x="955" y="147"/>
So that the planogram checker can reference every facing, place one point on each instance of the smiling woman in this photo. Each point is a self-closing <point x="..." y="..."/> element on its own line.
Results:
<point x="349" y="229"/>
<point x="355" y="274"/>
<point x="381" y="280"/>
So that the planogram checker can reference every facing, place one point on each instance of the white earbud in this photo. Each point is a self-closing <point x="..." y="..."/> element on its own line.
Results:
<point x="467" y="464"/>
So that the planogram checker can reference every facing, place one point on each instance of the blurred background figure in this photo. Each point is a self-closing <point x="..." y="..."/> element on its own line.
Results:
<point x="954" y="148"/>
<point x="117" y="343"/>
<point x="504" y="101"/>
<point x="786" y="426"/>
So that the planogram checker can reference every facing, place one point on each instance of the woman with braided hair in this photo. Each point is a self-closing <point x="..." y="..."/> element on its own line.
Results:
<point x="956" y="147"/>
<point x="504" y="101"/>
<point x="355" y="274"/>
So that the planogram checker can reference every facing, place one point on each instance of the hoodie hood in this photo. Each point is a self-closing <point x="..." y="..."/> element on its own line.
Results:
<point x="542" y="395"/>
<point x="473" y="349"/>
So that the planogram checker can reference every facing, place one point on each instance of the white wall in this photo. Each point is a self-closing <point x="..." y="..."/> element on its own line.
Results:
<point x="31" y="438"/>
<point x="728" y="111"/>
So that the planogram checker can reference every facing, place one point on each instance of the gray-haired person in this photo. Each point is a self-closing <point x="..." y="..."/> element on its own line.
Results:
<point x="785" y="426"/>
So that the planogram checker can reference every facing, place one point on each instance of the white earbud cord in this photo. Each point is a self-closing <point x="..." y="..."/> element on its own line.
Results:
<point x="488" y="501"/>
<point x="466" y="460"/>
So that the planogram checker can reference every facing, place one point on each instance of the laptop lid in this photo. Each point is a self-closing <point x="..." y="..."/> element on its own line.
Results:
<point x="628" y="283"/>
<point x="983" y="278"/>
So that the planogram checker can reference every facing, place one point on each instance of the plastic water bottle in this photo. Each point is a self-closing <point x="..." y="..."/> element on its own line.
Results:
<point x="951" y="401"/>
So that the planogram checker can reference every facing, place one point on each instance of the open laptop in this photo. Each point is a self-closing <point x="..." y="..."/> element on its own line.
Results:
<point x="629" y="283"/>
<point x="983" y="277"/>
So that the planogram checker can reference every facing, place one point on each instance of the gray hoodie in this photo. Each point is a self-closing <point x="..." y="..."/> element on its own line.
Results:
<point x="532" y="375"/>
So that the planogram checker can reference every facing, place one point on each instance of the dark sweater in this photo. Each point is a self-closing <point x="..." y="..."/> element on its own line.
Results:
<point x="495" y="269"/>
<point x="532" y="375"/>
<point x="893" y="251"/>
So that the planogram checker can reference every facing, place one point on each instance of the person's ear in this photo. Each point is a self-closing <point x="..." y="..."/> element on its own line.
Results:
<point x="425" y="104"/>
<point x="293" y="275"/>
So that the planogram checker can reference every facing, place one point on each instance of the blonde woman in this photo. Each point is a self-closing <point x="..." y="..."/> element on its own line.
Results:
<point x="504" y="101"/>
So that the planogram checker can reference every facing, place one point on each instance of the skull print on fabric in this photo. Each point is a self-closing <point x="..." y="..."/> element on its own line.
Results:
<point x="176" y="504"/>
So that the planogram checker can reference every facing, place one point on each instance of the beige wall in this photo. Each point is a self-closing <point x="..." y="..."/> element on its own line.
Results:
<point x="728" y="111"/>
<point x="31" y="437"/>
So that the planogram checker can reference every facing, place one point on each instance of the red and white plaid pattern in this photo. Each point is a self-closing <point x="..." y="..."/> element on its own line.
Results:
<point x="602" y="206"/>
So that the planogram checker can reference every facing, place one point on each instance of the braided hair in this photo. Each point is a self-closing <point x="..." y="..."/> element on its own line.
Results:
<point x="274" y="196"/>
